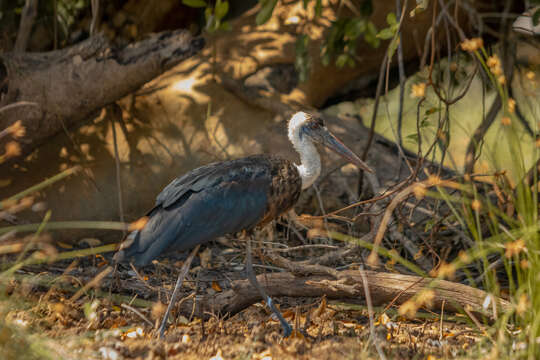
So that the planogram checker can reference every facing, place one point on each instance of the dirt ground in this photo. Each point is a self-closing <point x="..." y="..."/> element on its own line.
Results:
<point x="46" y="307"/>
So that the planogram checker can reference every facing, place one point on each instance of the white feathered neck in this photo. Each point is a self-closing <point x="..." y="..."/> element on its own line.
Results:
<point x="310" y="161"/>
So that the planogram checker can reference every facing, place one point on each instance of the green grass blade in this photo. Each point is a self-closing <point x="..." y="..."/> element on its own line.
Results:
<point x="40" y="186"/>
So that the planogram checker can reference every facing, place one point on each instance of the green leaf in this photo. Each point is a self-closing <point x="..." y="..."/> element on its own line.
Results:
<point x="325" y="59"/>
<point x="392" y="47"/>
<point x="194" y="3"/>
<point x="412" y="138"/>
<point x="424" y="123"/>
<point x="342" y="60"/>
<point x="421" y="5"/>
<point x="536" y="17"/>
<point x="391" y="19"/>
<point x="222" y="8"/>
<point x="385" y="34"/>
<point x="267" y="8"/>
<point x="371" y="29"/>
<point x="432" y="110"/>
<point x="355" y="27"/>
<point x="225" y="26"/>
<point x="207" y="14"/>
<point x="306" y="2"/>
<point x="372" y="40"/>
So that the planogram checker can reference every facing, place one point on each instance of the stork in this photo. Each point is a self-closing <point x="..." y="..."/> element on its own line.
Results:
<point x="231" y="196"/>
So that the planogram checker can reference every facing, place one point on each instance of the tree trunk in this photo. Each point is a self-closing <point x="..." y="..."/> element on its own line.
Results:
<point x="68" y="85"/>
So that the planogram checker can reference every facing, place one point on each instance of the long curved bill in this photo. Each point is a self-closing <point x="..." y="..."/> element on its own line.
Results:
<point x="328" y="139"/>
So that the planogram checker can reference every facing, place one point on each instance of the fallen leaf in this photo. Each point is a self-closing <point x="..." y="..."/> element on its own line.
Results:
<point x="216" y="286"/>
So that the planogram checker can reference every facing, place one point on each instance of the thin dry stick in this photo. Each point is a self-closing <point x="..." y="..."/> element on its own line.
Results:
<point x="420" y="279"/>
<point x="92" y="283"/>
<point x="64" y="273"/>
<point x="183" y="272"/>
<point x="478" y="324"/>
<point x="117" y="164"/>
<point x="95" y="17"/>
<point x="138" y="313"/>
<point x="55" y="24"/>
<point x="141" y="279"/>
<point x="373" y="258"/>
<point x="370" y="313"/>
<point x="17" y="104"/>
<point x="305" y="247"/>
<point x="442" y="317"/>
<point x="401" y="68"/>
<point x="28" y="16"/>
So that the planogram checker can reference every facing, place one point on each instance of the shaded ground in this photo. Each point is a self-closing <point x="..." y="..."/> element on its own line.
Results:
<point x="122" y="325"/>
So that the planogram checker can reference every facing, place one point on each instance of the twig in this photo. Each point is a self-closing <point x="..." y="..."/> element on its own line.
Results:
<point x="55" y="24"/>
<point x="137" y="312"/>
<point x="370" y="313"/>
<point x="302" y="268"/>
<point x="141" y="279"/>
<point x="183" y="272"/>
<point x="304" y="247"/>
<point x="116" y="111"/>
<point x="92" y="283"/>
<point x="28" y="16"/>
<point x="373" y="257"/>
<point x="479" y="133"/>
<point x="478" y="324"/>
<point x="95" y="16"/>
<point x="17" y="104"/>
<point x="401" y="72"/>
<point x="442" y="317"/>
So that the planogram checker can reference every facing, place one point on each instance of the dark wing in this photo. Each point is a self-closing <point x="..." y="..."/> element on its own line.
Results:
<point x="206" y="203"/>
<point x="194" y="180"/>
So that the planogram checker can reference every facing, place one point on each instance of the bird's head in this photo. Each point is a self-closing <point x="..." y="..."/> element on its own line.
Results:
<point x="313" y="128"/>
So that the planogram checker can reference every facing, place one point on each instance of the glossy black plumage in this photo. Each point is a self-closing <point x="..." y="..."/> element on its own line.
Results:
<point x="212" y="201"/>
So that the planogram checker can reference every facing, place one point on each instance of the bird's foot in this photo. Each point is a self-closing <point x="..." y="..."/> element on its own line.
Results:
<point x="287" y="329"/>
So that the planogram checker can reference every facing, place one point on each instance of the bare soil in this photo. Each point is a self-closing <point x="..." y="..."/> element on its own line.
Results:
<point x="119" y="320"/>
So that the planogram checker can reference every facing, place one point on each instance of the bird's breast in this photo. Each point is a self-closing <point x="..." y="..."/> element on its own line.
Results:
<point x="284" y="188"/>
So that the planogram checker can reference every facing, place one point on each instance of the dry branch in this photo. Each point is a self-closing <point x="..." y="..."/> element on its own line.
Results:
<point x="383" y="287"/>
<point x="27" y="22"/>
<point x="71" y="84"/>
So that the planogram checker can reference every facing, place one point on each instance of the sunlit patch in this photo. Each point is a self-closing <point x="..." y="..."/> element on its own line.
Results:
<point x="138" y="224"/>
<point x="218" y="356"/>
<point x="16" y="129"/>
<point x="471" y="45"/>
<point x="21" y="322"/>
<point x="418" y="90"/>
<point x="108" y="353"/>
<point x="12" y="149"/>
<point x="292" y="20"/>
<point x="185" y="85"/>
<point x="134" y="333"/>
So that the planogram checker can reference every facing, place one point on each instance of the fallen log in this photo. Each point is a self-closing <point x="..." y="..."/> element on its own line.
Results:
<point x="384" y="288"/>
<point x="66" y="86"/>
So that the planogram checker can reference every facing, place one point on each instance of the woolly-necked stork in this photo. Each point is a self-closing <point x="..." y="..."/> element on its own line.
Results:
<point x="231" y="196"/>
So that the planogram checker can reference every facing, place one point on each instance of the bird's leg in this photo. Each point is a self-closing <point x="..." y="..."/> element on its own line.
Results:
<point x="183" y="272"/>
<point x="287" y="330"/>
